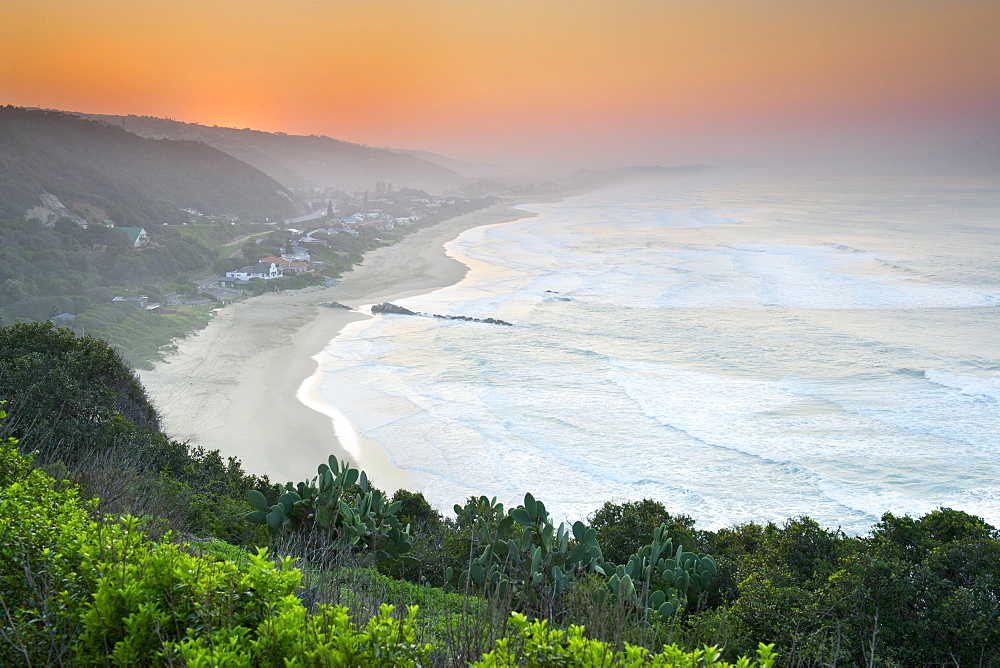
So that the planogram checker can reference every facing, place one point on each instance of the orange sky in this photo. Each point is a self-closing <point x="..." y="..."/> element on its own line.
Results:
<point x="649" y="80"/>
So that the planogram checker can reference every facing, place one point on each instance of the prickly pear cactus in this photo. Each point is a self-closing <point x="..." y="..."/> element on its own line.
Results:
<point x="656" y="580"/>
<point x="365" y="524"/>
<point x="524" y="556"/>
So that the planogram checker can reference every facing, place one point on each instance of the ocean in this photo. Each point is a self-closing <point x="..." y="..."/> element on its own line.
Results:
<point x="741" y="349"/>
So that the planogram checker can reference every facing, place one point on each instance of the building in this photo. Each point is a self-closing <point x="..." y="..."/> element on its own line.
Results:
<point x="286" y="265"/>
<point x="142" y="301"/>
<point x="137" y="236"/>
<point x="242" y="276"/>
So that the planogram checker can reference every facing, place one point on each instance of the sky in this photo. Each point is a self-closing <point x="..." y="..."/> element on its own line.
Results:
<point x="587" y="82"/>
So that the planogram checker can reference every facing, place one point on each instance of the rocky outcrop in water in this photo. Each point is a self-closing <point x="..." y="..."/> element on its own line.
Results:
<point x="556" y="299"/>
<point x="386" y="307"/>
<point x="393" y="309"/>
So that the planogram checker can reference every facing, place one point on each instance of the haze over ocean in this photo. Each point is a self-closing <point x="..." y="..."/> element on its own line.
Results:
<point x="743" y="351"/>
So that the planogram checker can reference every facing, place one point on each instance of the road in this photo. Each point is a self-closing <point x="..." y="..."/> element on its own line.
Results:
<point x="210" y="284"/>
<point x="319" y="213"/>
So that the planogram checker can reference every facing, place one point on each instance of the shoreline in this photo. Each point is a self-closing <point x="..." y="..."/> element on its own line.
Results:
<point x="245" y="384"/>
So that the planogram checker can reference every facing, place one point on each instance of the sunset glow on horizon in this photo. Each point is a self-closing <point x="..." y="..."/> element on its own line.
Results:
<point x="525" y="80"/>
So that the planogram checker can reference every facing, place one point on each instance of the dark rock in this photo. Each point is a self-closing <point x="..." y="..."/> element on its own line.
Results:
<point x="386" y="307"/>
<point x="336" y="305"/>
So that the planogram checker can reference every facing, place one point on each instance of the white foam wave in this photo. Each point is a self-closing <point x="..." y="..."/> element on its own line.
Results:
<point x="598" y="260"/>
<point x="686" y="397"/>
<point x="961" y="411"/>
<point x="987" y="388"/>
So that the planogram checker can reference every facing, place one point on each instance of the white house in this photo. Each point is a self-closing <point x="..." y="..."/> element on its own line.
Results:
<point x="265" y="270"/>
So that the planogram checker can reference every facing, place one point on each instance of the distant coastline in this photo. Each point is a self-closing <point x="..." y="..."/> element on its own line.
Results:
<point x="244" y="384"/>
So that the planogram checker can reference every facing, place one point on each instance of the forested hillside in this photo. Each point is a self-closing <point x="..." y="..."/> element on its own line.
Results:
<point x="303" y="161"/>
<point x="99" y="172"/>
<point x="492" y="586"/>
<point x="75" y="273"/>
<point x="64" y="180"/>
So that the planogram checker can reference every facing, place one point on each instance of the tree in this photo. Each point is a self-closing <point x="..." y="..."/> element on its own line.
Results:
<point x="79" y="405"/>
<point x="622" y="528"/>
<point x="64" y="390"/>
<point x="911" y="539"/>
<point x="414" y="510"/>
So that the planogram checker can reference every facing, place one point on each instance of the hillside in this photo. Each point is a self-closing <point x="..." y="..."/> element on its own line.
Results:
<point x="473" y="170"/>
<point x="301" y="161"/>
<point x="98" y="171"/>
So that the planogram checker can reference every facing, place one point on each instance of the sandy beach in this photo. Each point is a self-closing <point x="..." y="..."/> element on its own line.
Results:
<point x="236" y="385"/>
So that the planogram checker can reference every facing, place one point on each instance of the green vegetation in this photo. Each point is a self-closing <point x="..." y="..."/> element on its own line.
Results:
<point x="94" y="590"/>
<point x="109" y="173"/>
<point x="72" y="273"/>
<point x="347" y="513"/>
<point x="48" y="272"/>
<point x="545" y="646"/>
<point x="93" y="571"/>
<point x="85" y="415"/>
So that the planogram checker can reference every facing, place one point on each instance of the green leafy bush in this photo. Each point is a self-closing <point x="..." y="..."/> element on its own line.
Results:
<point x="64" y="389"/>
<point x="623" y="528"/>
<point x="42" y="585"/>
<point x="326" y="637"/>
<point x="97" y="591"/>
<point x="545" y="647"/>
<point x="76" y="402"/>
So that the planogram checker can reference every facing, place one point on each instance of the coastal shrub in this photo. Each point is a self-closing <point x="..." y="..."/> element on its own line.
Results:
<point x="922" y="591"/>
<point x="657" y="580"/>
<point x="12" y="466"/>
<point x="734" y="549"/>
<point x="97" y="591"/>
<point x="146" y="594"/>
<point x="426" y="529"/>
<point x="527" y="560"/>
<point x="915" y="589"/>
<point x="414" y="510"/>
<point x="460" y="627"/>
<point x="915" y="592"/>
<point x="221" y="551"/>
<point x="326" y="637"/>
<point x="41" y="583"/>
<point x="76" y="402"/>
<point x="545" y="646"/>
<point x="622" y="528"/>
<point x="63" y="389"/>
<point x="336" y="511"/>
